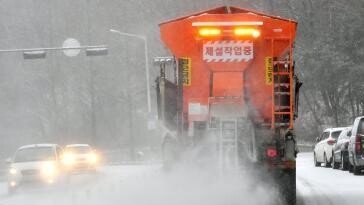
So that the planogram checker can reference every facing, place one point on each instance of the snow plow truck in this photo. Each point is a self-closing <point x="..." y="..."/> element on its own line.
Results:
<point x="231" y="84"/>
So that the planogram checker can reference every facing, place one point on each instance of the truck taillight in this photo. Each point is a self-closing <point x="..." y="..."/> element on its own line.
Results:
<point x="358" y="144"/>
<point x="331" y="142"/>
<point x="272" y="152"/>
<point x="206" y="32"/>
<point x="247" y="32"/>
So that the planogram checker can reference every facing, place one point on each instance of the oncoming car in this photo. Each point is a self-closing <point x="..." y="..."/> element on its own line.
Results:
<point x="78" y="157"/>
<point x="34" y="163"/>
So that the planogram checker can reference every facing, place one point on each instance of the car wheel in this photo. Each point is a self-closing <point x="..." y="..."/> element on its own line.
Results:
<point x="356" y="170"/>
<point x="334" y="164"/>
<point x="350" y="168"/>
<point x="343" y="163"/>
<point x="326" y="163"/>
<point x="315" y="160"/>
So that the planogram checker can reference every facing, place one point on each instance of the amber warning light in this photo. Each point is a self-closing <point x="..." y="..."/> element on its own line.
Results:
<point x="209" y="32"/>
<point x="239" y="32"/>
<point x="238" y="29"/>
<point x="255" y="33"/>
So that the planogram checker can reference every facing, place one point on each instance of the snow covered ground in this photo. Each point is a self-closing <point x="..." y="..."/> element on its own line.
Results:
<point x="319" y="185"/>
<point x="148" y="184"/>
<point x="83" y="188"/>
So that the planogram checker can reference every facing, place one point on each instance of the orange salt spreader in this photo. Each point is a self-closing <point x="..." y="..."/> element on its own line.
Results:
<point x="231" y="82"/>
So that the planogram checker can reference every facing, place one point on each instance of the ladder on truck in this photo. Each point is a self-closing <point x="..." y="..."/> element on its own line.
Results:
<point x="228" y="145"/>
<point x="284" y="114"/>
<point x="282" y="77"/>
<point x="282" y="93"/>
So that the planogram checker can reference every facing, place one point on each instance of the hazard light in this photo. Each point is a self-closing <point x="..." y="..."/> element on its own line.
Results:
<point x="247" y="32"/>
<point x="209" y="32"/>
<point x="272" y="152"/>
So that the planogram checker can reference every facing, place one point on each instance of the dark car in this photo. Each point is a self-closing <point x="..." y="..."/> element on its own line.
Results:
<point x="356" y="146"/>
<point x="340" y="150"/>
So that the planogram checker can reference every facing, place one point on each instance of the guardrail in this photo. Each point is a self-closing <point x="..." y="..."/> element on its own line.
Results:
<point x="305" y="147"/>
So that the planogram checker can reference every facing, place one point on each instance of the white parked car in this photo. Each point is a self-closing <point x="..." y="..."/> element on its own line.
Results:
<point x="324" y="146"/>
<point x="78" y="157"/>
<point x="34" y="163"/>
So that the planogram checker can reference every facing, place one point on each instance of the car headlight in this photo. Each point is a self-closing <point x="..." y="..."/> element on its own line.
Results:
<point x="48" y="170"/>
<point x="92" y="158"/>
<point x="13" y="171"/>
<point x="68" y="159"/>
<point x="12" y="184"/>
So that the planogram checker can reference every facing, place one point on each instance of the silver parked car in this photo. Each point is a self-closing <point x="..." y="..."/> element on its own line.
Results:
<point x="340" y="150"/>
<point x="323" y="147"/>
<point x="356" y="146"/>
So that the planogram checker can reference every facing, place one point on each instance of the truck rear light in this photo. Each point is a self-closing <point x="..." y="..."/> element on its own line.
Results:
<point x="331" y="142"/>
<point x="206" y="32"/>
<point x="358" y="144"/>
<point x="247" y="32"/>
<point x="272" y="152"/>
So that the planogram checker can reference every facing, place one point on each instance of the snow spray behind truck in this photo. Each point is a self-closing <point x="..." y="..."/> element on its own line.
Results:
<point x="232" y="80"/>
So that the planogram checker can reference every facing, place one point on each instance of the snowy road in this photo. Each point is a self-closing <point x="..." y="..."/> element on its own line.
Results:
<point x="319" y="185"/>
<point x="142" y="185"/>
<point x="83" y="188"/>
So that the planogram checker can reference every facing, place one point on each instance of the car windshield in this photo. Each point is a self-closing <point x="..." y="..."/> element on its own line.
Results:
<point x="34" y="154"/>
<point x="78" y="149"/>
<point x="335" y="134"/>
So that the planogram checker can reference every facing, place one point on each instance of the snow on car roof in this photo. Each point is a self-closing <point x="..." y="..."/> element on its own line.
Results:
<point x="78" y="145"/>
<point x="37" y="145"/>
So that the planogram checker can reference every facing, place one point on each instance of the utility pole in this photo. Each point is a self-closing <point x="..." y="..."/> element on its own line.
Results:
<point x="131" y="125"/>
<point x="130" y="107"/>
<point x="92" y="80"/>
<point x="146" y="58"/>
